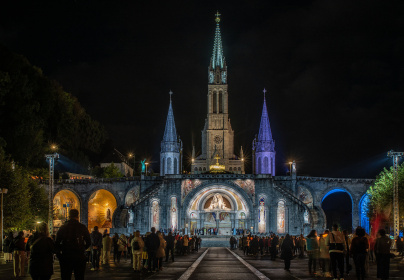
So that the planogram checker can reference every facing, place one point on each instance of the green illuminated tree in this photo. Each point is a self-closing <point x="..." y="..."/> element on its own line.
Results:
<point x="381" y="194"/>
<point x="112" y="171"/>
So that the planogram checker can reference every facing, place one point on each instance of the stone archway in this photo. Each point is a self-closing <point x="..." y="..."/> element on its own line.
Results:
<point x="101" y="207"/>
<point x="363" y="212"/>
<point x="337" y="205"/>
<point x="63" y="202"/>
<point x="218" y="207"/>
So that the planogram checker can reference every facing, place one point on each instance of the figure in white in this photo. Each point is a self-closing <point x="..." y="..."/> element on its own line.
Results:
<point x="261" y="216"/>
<point x="155" y="214"/>
<point x="174" y="213"/>
<point x="217" y="203"/>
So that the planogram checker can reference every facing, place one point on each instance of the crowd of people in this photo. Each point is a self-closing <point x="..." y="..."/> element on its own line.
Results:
<point x="328" y="254"/>
<point x="75" y="247"/>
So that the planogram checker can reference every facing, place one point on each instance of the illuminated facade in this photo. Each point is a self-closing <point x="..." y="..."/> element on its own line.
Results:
<point x="217" y="194"/>
<point x="217" y="134"/>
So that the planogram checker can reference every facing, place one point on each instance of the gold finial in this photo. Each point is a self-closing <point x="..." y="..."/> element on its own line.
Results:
<point x="217" y="17"/>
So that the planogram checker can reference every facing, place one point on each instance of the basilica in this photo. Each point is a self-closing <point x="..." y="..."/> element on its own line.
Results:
<point x="217" y="194"/>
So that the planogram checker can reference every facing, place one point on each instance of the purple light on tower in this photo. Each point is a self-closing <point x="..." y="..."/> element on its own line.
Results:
<point x="264" y="146"/>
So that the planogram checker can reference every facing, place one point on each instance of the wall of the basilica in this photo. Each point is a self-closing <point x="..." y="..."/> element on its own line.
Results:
<point x="261" y="203"/>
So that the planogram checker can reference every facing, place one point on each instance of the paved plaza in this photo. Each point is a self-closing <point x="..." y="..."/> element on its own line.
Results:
<point x="213" y="263"/>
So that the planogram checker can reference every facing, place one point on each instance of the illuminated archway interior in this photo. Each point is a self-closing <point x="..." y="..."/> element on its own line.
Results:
<point x="62" y="203"/>
<point x="363" y="212"/>
<point x="101" y="207"/>
<point x="218" y="206"/>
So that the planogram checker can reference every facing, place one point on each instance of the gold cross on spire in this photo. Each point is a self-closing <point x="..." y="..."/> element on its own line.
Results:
<point x="217" y="16"/>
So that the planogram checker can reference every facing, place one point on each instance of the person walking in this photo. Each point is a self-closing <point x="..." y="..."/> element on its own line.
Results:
<point x="335" y="243"/>
<point x="115" y="239"/>
<point x="122" y="246"/>
<point x="185" y="244"/>
<point x="170" y="246"/>
<point x="137" y="251"/>
<point x="106" y="248"/>
<point x="312" y="251"/>
<point x="96" y="246"/>
<point x="7" y="248"/>
<point x="72" y="240"/>
<point x="161" y="251"/>
<point x="347" y="241"/>
<point x="382" y="250"/>
<point x="359" y="249"/>
<point x="287" y="251"/>
<point x="274" y="243"/>
<point x="20" y="259"/>
<point x="324" y="255"/>
<point x="152" y="244"/>
<point x="42" y="248"/>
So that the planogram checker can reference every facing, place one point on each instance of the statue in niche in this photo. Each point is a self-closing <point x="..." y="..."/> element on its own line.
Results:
<point x="108" y="215"/>
<point x="217" y="203"/>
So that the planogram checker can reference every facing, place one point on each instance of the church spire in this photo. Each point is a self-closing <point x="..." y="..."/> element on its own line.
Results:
<point x="170" y="133"/>
<point x="217" y="56"/>
<point x="264" y="146"/>
<point x="265" y="133"/>
<point x="217" y="68"/>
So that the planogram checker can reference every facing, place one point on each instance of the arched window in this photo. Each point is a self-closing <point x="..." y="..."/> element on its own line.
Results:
<point x="214" y="102"/>
<point x="155" y="214"/>
<point x="169" y="166"/>
<point x="175" y="166"/>
<point x="261" y="216"/>
<point x="174" y="213"/>
<point x="196" y="169"/>
<point x="220" y="102"/>
<point x="200" y="168"/>
<point x="281" y="216"/>
<point x="239" y="169"/>
<point x="259" y="166"/>
<point x="266" y="167"/>
<point x="230" y="169"/>
<point x="204" y="169"/>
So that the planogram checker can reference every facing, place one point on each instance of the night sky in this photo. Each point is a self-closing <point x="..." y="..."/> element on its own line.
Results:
<point x="333" y="71"/>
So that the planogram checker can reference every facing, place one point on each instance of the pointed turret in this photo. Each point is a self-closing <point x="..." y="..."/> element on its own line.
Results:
<point x="170" y="133"/>
<point x="171" y="146"/>
<point x="264" y="146"/>
<point x="217" y="56"/>
<point x="265" y="133"/>
<point x="217" y="68"/>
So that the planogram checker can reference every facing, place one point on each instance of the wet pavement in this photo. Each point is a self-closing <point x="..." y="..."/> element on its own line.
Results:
<point x="213" y="263"/>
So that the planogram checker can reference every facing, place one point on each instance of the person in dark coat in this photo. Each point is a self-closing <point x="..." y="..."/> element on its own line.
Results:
<point x="170" y="246"/>
<point x="287" y="251"/>
<point x="152" y="244"/>
<point x="359" y="249"/>
<point x="96" y="246"/>
<point x="20" y="256"/>
<point x="72" y="240"/>
<point x="382" y="250"/>
<point x="7" y="249"/>
<point x="274" y="243"/>
<point x="42" y="248"/>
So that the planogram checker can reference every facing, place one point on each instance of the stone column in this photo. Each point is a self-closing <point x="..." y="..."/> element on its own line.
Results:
<point x="84" y="212"/>
<point x="355" y="214"/>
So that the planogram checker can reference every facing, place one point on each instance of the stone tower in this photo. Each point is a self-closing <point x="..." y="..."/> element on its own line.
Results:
<point x="264" y="146"/>
<point x="171" y="147"/>
<point x="217" y="135"/>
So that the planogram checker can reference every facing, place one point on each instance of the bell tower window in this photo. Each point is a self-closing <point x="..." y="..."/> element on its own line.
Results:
<point x="214" y="102"/>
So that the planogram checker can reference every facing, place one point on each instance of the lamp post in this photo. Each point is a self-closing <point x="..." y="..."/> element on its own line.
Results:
<point x="146" y="167"/>
<point x="290" y="168"/>
<point x="51" y="158"/>
<point x="396" y="222"/>
<point x="134" y="162"/>
<point x="3" y="191"/>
